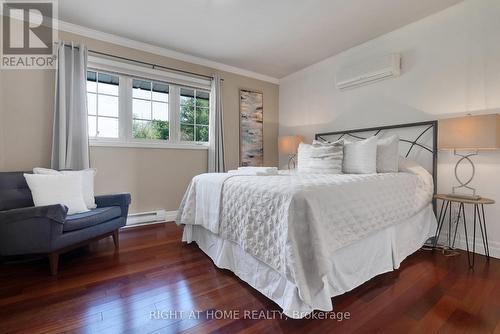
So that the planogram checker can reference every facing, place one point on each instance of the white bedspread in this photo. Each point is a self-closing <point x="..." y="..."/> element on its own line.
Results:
<point x="294" y="222"/>
<point x="205" y="192"/>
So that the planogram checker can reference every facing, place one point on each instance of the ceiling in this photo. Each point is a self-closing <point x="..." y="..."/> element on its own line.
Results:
<point x="270" y="37"/>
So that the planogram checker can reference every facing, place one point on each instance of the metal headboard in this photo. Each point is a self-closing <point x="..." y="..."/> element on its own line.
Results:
<point x="416" y="138"/>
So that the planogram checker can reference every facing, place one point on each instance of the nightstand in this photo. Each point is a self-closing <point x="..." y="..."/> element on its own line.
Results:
<point x="446" y="207"/>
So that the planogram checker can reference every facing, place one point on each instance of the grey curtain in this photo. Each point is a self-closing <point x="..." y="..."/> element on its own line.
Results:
<point x="216" y="162"/>
<point x="70" y="143"/>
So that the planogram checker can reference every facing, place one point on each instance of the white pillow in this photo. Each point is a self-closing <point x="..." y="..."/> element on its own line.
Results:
<point x="57" y="189"/>
<point x="326" y="143"/>
<point x="87" y="177"/>
<point x="388" y="154"/>
<point x="320" y="158"/>
<point x="410" y="166"/>
<point x="360" y="157"/>
<point x="406" y="165"/>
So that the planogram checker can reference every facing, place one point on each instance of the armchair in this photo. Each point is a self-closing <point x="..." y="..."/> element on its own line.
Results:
<point x="26" y="229"/>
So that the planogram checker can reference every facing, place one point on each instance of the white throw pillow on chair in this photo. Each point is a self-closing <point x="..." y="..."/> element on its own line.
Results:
<point x="63" y="189"/>
<point x="87" y="177"/>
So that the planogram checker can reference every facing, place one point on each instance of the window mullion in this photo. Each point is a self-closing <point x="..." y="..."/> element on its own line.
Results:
<point x="194" y="115"/>
<point x="174" y="113"/>
<point x="151" y="103"/>
<point x="125" y="103"/>
<point x="97" y="104"/>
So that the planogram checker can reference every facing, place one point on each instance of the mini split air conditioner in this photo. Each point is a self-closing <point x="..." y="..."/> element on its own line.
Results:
<point x="373" y="70"/>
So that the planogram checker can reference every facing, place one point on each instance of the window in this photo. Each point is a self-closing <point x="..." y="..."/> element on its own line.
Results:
<point x="149" y="110"/>
<point x="194" y="115"/>
<point x="102" y="101"/>
<point x="138" y="108"/>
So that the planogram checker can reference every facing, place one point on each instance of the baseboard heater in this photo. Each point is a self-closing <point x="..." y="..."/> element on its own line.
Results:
<point x="146" y="217"/>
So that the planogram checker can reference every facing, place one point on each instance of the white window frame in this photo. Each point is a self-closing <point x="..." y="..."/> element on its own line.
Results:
<point x="96" y="93"/>
<point x="195" y="124"/>
<point x="127" y="72"/>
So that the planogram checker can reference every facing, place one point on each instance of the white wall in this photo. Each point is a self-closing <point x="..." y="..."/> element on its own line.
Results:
<point x="451" y="65"/>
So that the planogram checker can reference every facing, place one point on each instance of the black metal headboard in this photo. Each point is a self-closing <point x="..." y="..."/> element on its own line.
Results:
<point x="419" y="141"/>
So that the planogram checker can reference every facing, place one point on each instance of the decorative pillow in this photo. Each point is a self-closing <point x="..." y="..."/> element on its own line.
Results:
<point x="325" y="143"/>
<point x="57" y="189"/>
<point x="321" y="158"/>
<point x="87" y="177"/>
<point x="388" y="154"/>
<point x="360" y="157"/>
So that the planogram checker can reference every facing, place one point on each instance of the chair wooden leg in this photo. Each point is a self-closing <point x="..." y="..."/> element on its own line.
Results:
<point x="116" y="239"/>
<point x="54" y="263"/>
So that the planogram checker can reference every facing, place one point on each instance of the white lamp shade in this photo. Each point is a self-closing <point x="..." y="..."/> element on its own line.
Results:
<point x="480" y="132"/>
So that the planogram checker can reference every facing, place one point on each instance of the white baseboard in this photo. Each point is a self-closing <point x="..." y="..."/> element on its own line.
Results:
<point x="146" y="224"/>
<point x="170" y="216"/>
<point x="152" y="217"/>
<point x="494" y="246"/>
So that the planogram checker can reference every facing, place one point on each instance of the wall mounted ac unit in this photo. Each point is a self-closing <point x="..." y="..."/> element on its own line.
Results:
<point x="373" y="70"/>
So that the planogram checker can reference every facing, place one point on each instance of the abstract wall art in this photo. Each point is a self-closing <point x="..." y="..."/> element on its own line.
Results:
<point x="251" y="128"/>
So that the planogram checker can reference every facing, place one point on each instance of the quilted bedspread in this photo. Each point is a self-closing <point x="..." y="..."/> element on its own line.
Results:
<point x="294" y="222"/>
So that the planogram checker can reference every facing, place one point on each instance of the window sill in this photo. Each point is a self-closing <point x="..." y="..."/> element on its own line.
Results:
<point x="137" y="144"/>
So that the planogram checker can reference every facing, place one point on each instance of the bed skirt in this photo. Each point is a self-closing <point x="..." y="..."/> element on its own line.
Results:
<point x="351" y="266"/>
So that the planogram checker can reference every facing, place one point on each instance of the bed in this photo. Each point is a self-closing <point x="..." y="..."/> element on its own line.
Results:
<point x="301" y="239"/>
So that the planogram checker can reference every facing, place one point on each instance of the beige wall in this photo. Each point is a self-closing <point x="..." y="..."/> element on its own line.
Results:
<point x="156" y="178"/>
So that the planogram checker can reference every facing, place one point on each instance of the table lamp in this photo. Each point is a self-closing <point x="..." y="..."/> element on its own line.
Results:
<point x="469" y="135"/>
<point x="289" y="145"/>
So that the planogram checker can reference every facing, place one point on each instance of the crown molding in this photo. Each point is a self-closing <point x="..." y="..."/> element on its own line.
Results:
<point x="133" y="44"/>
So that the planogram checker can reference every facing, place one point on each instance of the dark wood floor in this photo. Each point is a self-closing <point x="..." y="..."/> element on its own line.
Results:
<point x="100" y="290"/>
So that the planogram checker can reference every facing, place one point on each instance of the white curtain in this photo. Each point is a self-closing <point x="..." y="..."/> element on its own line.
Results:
<point x="216" y="162"/>
<point x="70" y="144"/>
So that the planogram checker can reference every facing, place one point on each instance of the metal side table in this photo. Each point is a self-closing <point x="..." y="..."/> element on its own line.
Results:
<point x="446" y="207"/>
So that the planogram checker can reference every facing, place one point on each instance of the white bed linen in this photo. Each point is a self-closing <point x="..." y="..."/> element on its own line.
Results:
<point x="294" y="222"/>
<point x="205" y="190"/>
<point x="350" y="266"/>
<point x="205" y="193"/>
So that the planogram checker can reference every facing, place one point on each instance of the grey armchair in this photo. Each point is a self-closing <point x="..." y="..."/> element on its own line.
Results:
<point x="26" y="229"/>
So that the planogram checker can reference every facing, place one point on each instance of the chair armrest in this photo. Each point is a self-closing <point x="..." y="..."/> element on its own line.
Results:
<point x="56" y="213"/>
<point x="31" y="230"/>
<point x="122" y="200"/>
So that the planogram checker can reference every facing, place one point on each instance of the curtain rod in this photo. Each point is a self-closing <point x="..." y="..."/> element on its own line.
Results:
<point x="154" y="66"/>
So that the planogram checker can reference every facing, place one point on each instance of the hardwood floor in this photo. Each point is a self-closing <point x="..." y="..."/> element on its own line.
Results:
<point x="100" y="290"/>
